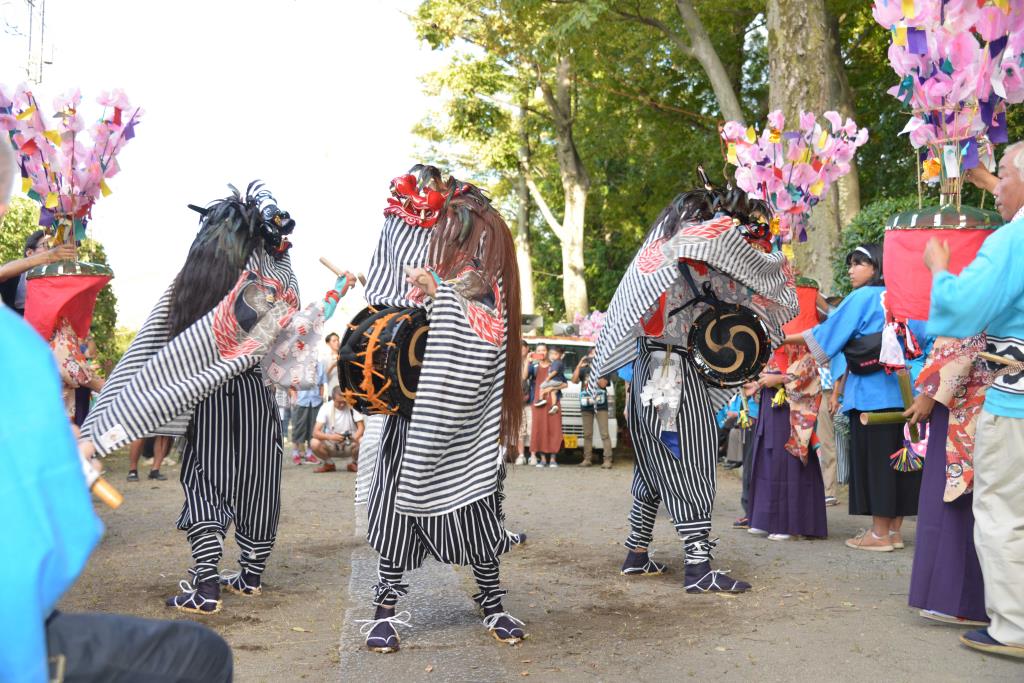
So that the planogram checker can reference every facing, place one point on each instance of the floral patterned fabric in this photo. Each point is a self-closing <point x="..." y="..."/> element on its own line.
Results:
<point x="803" y="393"/>
<point x="955" y="377"/>
<point x="74" y="367"/>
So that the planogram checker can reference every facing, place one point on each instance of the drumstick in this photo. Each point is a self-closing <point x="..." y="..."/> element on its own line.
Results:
<point x="339" y="272"/>
<point x="1002" y="360"/>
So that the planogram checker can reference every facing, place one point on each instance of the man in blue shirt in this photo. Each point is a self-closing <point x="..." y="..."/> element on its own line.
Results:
<point x="49" y="531"/>
<point x="989" y="296"/>
<point x="304" y="411"/>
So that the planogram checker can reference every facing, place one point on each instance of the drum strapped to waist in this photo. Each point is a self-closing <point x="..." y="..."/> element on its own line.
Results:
<point x="380" y="358"/>
<point x="728" y="343"/>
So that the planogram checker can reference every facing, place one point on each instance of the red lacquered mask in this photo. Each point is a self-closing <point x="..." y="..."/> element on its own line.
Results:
<point x="415" y="207"/>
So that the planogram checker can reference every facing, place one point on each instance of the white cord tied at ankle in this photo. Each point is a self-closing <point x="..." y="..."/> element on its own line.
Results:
<point x="491" y="620"/>
<point x="402" y="618"/>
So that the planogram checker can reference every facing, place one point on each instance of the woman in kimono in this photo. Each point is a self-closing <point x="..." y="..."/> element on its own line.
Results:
<point x="876" y="489"/>
<point x="437" y="483"/>
<point x="946" y="582"/>
<point x="787" y="492"/>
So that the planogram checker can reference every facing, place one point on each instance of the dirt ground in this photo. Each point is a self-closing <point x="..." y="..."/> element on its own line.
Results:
<point x="818" y="611"/>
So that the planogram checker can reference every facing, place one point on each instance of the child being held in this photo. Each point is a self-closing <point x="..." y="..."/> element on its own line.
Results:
<point x="550" y="389"/>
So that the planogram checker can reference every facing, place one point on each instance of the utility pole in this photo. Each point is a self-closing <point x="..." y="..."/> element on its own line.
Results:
<point x="36" y="41"/>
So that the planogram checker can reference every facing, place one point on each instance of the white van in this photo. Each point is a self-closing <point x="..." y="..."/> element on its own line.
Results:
<point x="575" y="348"/>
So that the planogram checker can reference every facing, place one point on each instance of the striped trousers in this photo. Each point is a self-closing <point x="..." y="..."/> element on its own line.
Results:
<point x="686" y="485"/>
<point x="472" y="535"/>
<point x="231" y="472"/>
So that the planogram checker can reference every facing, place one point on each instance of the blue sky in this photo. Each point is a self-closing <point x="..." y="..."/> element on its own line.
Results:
<point x="315" y="98"/>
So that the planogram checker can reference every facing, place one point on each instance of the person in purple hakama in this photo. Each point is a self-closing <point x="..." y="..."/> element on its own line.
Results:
<point x="787" y="496"/>
<point x="945" y="583"/>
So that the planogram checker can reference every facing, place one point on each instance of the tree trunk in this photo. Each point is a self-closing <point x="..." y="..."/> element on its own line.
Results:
<point x="842" y="101"/>
<point x="522" y="234"/>
<point x="575" y="185"/>
<point x="702" y="49"/>
<point x="798" y="46"/>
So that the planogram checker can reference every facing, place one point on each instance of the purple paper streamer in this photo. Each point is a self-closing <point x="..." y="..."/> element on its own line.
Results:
<point x="996" y="47"/>
<point x="997" y="131"/>
<point x="969" y="154"/>
<point x="986" y="109"/>
<point x="45" y="217"/>
<point x="917" y="41"/>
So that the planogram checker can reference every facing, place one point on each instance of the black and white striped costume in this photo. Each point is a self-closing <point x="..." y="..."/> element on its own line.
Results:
<point x="687" y="486"/>
<point x="437" y="483"/>
<point x="211" y="391"/>
<point x="761" y="281"/>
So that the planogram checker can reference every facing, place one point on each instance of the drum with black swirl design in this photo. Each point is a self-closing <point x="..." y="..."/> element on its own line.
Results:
<point x="729" y="345"/>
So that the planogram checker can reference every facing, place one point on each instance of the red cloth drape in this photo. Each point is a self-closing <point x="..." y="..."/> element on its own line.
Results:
<point x="48" y="299"/>
<point x="908" y="282"/>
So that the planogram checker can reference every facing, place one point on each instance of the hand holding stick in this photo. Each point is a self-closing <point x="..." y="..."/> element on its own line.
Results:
<point x="908" y="400"/>
<point x="341" y="273"/>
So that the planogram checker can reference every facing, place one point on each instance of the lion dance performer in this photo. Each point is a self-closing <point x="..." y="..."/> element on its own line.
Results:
<point x="194" y="370"/>
<point x="708" y="246"/>
<point x="437" y="484"/>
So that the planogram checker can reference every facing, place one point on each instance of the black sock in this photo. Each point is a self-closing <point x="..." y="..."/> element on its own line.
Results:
<point x="384" y="612"/>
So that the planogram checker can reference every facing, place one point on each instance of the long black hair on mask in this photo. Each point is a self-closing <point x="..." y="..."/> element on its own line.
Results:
<point x="230" y="229"/>
<point x="696" y="206"/>
<point x="872" y="255"/>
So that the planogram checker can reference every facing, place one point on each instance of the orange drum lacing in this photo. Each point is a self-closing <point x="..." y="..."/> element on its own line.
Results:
<point x="371" y="394"/>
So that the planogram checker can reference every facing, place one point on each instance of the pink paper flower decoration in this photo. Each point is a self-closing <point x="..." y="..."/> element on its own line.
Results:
<point x="959" y="64"/>
<point x="59" y="169"/>
<point x="792" y="170"/>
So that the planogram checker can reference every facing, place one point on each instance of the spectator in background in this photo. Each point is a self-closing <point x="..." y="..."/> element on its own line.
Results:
<point x="593" y="408"/>
<point x="333" y="342"/>
<point x="831" y="391"/>
<point x="551" y="388"/>
<point x="524" y="426"/>
<point x="736" y="418"/>
<point x="304" y="410"/>
<point x="741" y="439"/>
<point x="338" y="428"/>
<point x="161" y="446"/>
<point x="83" y="394"/>
<point x="37" y="253"/>
<point x="546" y="426"/>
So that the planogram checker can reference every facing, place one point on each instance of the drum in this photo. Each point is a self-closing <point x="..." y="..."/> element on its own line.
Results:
<point x="380" y="359"/>
<point x="908" y="281"/>
<point x="729" y="345"/>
